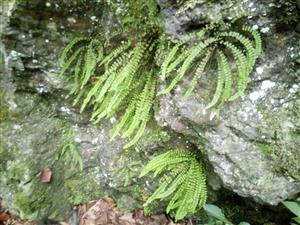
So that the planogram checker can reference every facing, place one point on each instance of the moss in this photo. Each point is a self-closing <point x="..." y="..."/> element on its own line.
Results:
<point x="33" y="199"/>
<point x="128" y="198"/>
<point x="267" y="149"/>
<point x="4" y="109"/>
<point x="282" y="132"/>
<point x="82" y="189"/>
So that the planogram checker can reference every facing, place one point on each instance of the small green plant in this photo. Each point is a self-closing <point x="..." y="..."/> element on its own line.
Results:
<point x="217" y="217"/>
<point x="294" y="207"/>
<point x="207" y="45"/>
<point x="182" y="176"/>
<point x="125" y="84"/>
<point x="118" y="79"/>
<point x="69" y="150"/>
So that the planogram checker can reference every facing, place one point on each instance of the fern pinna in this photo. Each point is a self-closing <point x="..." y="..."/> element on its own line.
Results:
<point x="207" y="45"/>
<point x="119" y="82"/>
<point x="183" y="177"/>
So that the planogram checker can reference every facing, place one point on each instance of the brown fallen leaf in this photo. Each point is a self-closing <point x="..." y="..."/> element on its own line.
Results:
<point x="45" y="176"/>
<point x="4" y="217"/>
<point x="104" y="212"/>
<point x="110" y="203"/>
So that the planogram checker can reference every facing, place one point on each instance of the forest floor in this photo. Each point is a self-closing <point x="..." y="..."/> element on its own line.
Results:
<point x="97" y="212"/>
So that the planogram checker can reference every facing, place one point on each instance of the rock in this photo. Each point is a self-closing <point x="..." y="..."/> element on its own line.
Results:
<point x="254" y="145"/>
<point x="36" y="116"/>
<point x="250" y="152"/>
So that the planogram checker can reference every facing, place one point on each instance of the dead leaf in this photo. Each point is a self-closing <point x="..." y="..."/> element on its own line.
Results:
<point x="4" y="217"/>
<point x="110" y="203"/>
<point x="45" y="176"/>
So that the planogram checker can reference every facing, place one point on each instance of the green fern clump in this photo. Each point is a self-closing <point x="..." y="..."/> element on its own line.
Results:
<point x="117" y="83"/>
<point x="69" y="150"/>
<point x="234" y="52"/>
<point x="183" y="177"/>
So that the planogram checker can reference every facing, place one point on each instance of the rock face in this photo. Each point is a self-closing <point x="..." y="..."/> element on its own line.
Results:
<point x="254" y="145"/>
<point x="35" y="117"/>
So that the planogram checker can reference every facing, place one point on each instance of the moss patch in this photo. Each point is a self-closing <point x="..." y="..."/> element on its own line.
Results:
<point x="282" y="141"/>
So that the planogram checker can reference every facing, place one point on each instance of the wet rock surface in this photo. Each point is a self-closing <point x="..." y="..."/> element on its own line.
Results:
<point x="254" y="145"/>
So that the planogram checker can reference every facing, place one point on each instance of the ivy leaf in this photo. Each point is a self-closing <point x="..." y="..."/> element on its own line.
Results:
<point x="294" y="207"/>
<point x="216" y="212"/>
<point x="297" y="219"/>
<point x="244" y="223"/>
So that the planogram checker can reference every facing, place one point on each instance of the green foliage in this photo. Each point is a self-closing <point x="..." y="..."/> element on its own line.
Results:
<point x="217" y="217"/>
<point x="69" y="150"/>
<point x="207" y="45"/>
<point x="119" y="82"/>
<point x="182" y="176"/>
<point x="294" y="207"/>
<point x="120" y="79"/>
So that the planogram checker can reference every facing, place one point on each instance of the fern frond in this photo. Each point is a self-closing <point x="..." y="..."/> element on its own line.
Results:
<point x="242" y="69"/>
<point x="79" y="95"/>
<point x="197" y="76"/>
<point x="66" y="65"/>
<point x="101" y="107"/>
<point x="129" y="70"/>
<point x="116" y="52"/>
<point x="166" y="67"/>
<point x="184" y="177"/>
<point x="179" y="60"/>
<point x="188" y="58"/>
<point x="90" y="64"/>
<point x="247" y="44"/>
<point x="69" y="150"/>
<point x="93" y="92"/>
<point x="194" y="192"/>
<point x="220" y="85"/>
<point x="175" y="201"/>
<point x="145" y="100"/>
<point x="226" y="70"/>
<point x="164" y="160"/>
<point x="108" y="82"/>
<point x="257" y="39"/>
<point x="69" y="47"/>
<point x="167" y="61"/>
<point x="129" y="113"/>
<point x="76" y="83"/>
<point x="196" y="52"/>
<point x="145" y="112"/>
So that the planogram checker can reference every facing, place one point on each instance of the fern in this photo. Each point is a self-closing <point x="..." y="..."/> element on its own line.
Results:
<point x="220" y="85"/>
<point x="181" y="176"/>
<point x="111" y="82"/>
<point x="69" y="150"/>
<point x="207" y="44"/>
<point x="69" y="48"/>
